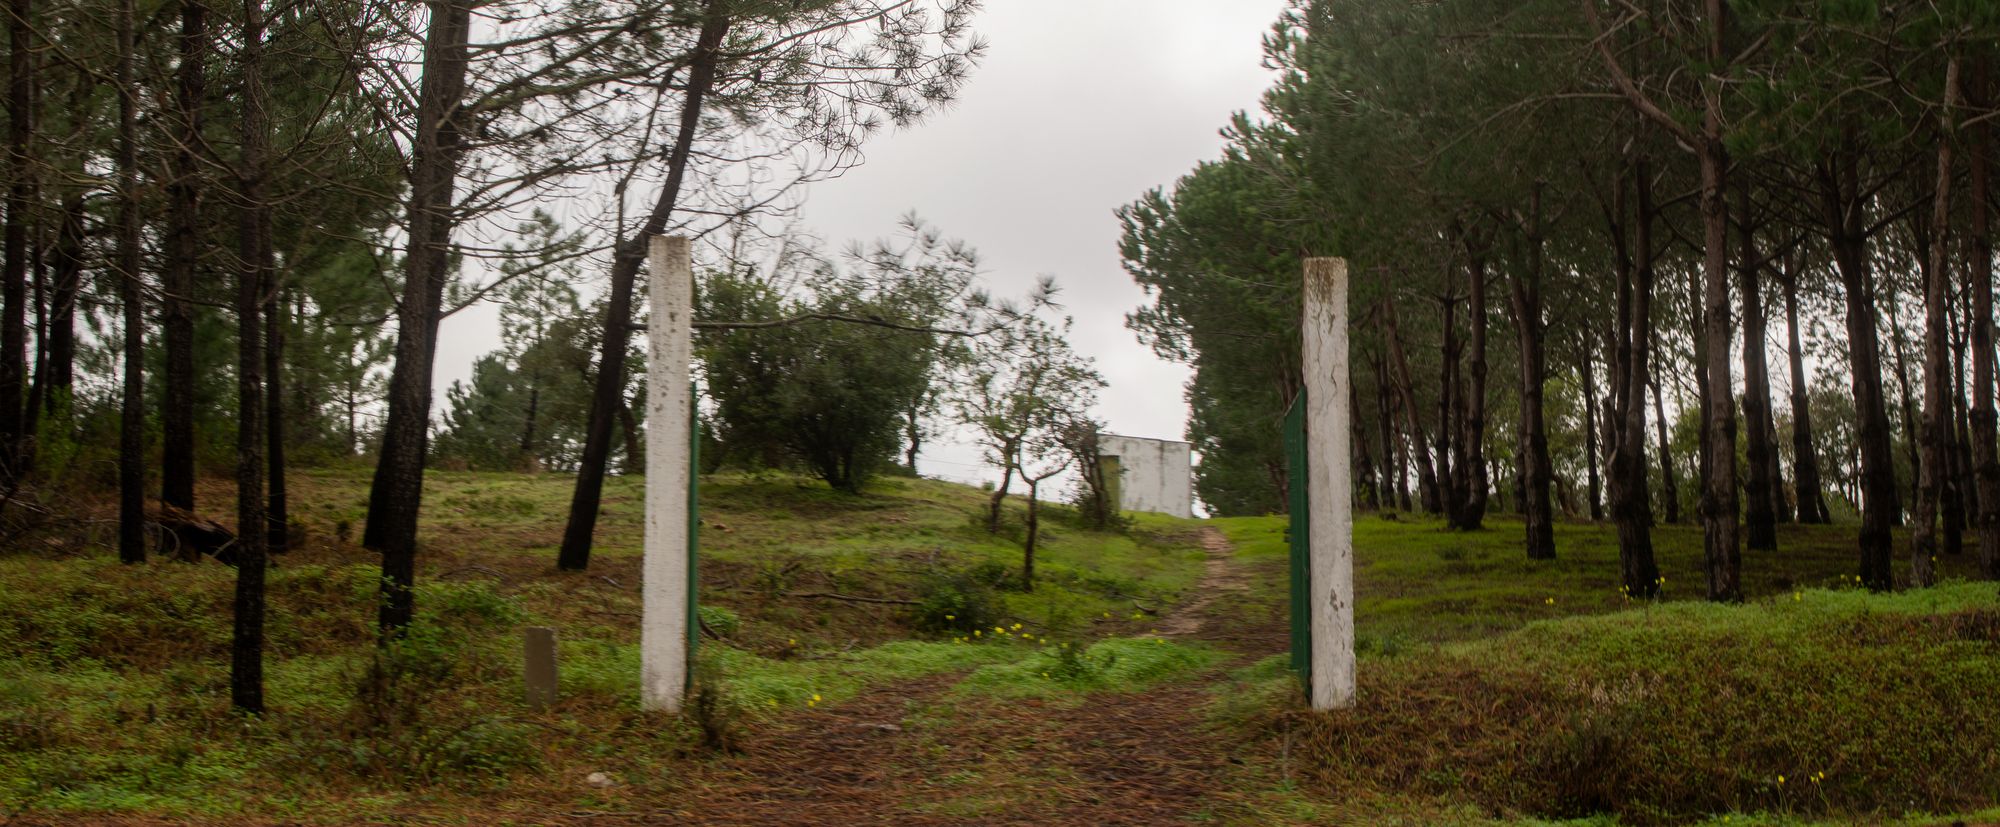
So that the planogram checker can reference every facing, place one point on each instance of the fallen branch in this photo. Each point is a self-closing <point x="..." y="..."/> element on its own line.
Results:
<point x="887" y="601"/>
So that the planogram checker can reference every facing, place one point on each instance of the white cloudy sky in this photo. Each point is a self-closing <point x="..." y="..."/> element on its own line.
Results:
<point x="1079" y="107"/>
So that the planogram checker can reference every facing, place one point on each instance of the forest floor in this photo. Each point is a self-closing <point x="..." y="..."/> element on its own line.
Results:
<point x="1142" y="681"/>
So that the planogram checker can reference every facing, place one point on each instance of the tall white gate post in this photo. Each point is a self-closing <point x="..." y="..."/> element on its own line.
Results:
<point x="663" y="630"/>
<point x="1329" y="483"/>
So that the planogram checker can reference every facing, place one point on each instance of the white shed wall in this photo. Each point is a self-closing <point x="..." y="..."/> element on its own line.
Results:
<point x="1156" y="475"/>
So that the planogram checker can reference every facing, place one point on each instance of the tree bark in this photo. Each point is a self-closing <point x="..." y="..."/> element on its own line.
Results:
<point x="1631" y="508"/>
<point x="1034" y="527"/>
<point x="1536" y="471"/>
<point x="132" y="413"/>
<point x="59" y="370"/>
<point x="246" y="674"/>
<point x="999" y="496"/>
<point x="1670" y="489"/>
<point x="183" y="249"/>
<point x="1912" y="421"/>
<point x="1760" y="521"/>
<point x="14" y="262"/>
<point x="396" y="495"/>
<point x="1806" y="485"/>
<point x="1719" y="500"/>
<point x="1596" y="483"/>
<point x="1427" y="479"/>
<point x="1473" y="515"/>
<point x="277" y="510"/>
<point x="1985" y="456"/>
<point x="1386" y="425"/>
<point x="608" y="393"/>
<point x="1937" y="428"/>
<point x="1843" y="207"/>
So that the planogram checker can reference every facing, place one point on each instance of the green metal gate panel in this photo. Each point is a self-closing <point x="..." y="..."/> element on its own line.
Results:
<point x="1298" y="536"/>
<point x="694" y="529"/>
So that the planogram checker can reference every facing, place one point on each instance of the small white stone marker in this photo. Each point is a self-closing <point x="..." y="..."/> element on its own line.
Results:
<point x="663" y="631"/>
<point x="1328" y="483"/>
<point x="539" y="648"/>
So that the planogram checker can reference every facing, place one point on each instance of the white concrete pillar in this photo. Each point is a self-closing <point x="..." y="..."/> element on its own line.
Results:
<point x="663" y="630"/>
<point x="1329" y="480"/>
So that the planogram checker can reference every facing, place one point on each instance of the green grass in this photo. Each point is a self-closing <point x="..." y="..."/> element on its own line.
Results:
<point x="1495" y="690"/>
<point x="116" y="690"/>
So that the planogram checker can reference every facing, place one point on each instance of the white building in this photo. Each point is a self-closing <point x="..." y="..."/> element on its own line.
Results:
<point x="1153" y="475"/>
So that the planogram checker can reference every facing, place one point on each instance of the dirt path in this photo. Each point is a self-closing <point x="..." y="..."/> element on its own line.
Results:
<point x="914" y="753"/>
<point x="1220" y="577"/>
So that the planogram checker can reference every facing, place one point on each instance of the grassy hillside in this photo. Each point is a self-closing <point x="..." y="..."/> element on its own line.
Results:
<point x="876" y="657"/>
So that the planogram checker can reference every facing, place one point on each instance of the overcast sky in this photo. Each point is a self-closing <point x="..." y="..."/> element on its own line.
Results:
<point x="1079" y="107"/>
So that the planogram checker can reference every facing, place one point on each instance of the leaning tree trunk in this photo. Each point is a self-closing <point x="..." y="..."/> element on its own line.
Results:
<point x="253" y="280"/>
<point x="1937" y="430"/>
<point x="396" y="494"/>
<point x="1760" y="521"/>
<point x="1843" y="207"/>
<point x="132" y="414"/>
<point x="1985" y="457"/>
<point x="183" y="249"/>
<point x="1670" y="488"/>
<point x="608" y="393"/>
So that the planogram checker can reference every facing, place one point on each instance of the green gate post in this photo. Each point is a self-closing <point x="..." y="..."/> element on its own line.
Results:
<point x="1299" y="537"/>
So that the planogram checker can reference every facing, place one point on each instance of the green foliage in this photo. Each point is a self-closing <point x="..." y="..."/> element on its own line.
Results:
<point x="960" y="602"/>
<point x="836" y="397"/>
<point x="526" y="405"/>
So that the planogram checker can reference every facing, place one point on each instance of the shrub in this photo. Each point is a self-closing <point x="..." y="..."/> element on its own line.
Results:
<point x="956" y="603"/>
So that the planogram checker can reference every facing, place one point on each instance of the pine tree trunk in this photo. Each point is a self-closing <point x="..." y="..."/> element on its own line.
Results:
<point x="1936" y="432"/>
<point x="608" y="393"/>
<point x="1985" y="455"/>
<point x="1473" y="515"/>
<point x="1596" y="483"/>
<point x="183" y="250"/>
<point x="132" y="414"/>
<point x="1630" y="504"/>
<point x="253" y="281"/>
<point x="1450" y="492"/>
<point x="277" y="510"/>
<point x="396" y="495"/>
<point x="1427" y="479"/>
<point x="1806" y="485"/>
<point x="1386" y="425"/>
<point x="14" y="262"/>
<point x="1760" y="522"/>
<point x="1536" y="471"/>
<point x="1719" y="500"/>
<point x="1912" y="422"/>
<point x="635" y="448"/>
<point x="1843" y="208"/>
<point x="60" y="367"/>
<point x="1670" y="489"/>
